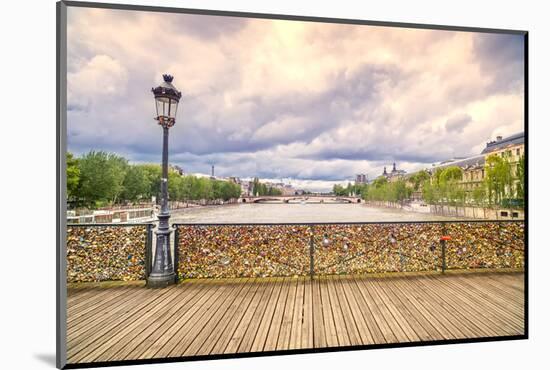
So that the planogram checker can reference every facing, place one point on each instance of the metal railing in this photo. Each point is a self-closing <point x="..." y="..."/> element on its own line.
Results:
<point x="262" y="250"/>
<point x="99" y="252"/>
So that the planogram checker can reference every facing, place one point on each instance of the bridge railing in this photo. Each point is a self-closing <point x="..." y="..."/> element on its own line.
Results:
<point x="99" y="252"/>
<point x="262" y="250"/>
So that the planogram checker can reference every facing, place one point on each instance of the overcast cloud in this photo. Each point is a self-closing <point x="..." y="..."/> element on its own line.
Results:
<point x="307" y="101"/>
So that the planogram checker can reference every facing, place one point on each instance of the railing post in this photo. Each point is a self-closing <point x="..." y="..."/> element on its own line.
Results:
<point x="148" y="249"/>
<point x="176" y="263"/>
<point x="443" y="249"/>
<point x="499" y="245"/>
<point x="311" y="254"/>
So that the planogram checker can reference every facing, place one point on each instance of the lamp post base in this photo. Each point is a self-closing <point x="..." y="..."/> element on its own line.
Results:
<point x="160" y="281"/>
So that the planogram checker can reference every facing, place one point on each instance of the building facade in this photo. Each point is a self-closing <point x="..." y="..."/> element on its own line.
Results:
<point x="360" y="179"/>
<point x="512" y="148"/>
<point x="395" y="174"/>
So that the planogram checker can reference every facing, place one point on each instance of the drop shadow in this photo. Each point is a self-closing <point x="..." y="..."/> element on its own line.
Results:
<point x="47" y="358"/>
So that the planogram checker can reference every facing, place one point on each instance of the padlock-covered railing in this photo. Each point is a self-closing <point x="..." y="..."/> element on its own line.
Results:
<point x="214" y="251"/>
<point x="376" y="248"/>
<point x="264" y="250"/>
<point x="494" y="245"/>
<point x="100" y="252"/>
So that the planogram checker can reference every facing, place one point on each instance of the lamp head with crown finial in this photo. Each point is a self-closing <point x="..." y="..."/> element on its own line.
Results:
<point x="167" y="98"/>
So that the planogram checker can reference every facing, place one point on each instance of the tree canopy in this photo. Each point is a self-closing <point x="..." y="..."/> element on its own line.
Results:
<point x="100" y="178"/>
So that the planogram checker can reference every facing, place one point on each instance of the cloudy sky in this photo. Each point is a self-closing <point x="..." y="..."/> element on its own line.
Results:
<point x="312" y="102"/>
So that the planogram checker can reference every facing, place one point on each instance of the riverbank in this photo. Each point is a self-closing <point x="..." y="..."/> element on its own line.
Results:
<point x="459" y="212"/>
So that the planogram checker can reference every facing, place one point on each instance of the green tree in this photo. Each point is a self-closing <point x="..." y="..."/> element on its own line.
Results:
<point x="256" y="187"/>
<point x="153" y="173"/>
<point x="479" y="195"/>
<point x="137" y="184"/>
<point x="73" y="175"/>
<point x="349" y="189"/>
<point x="338" y="190"/>
<point x="451" y="173"/>
<point x="419" y="178"/>
<point x="379" y="182"/>
<point x="449" y="186"/>
<point x="175" y="182"/>
<point x="520" y="178"/>
<point x="101" y="177"/>
<point x="498" y="179"/>
<point x="430" y="192"/>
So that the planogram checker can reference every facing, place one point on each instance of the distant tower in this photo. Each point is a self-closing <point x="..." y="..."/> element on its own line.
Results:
<point x="394" y="169"/>
<point x="212" y="170"/>
<point x="385" y="172"/>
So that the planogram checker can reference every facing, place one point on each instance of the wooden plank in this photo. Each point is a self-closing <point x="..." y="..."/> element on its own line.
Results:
<point x="509" y="293"/>
<point x="474" y="302"/>
<point x="149" y="336"/>
<point x="343" y="327"/>
<point x="230" y="323"/>
<point x="428" y="319"/>
<point x="263" y="330"/>
<point x="297" y="316"/>
<point x="206" y="341"/>
<point x="259" y="317"/>
<point x="132" y="337"/>
<point x="276" y="322"/>
<point x="457" y="308"/>
<point x="306" y="337"/>
<point x="511" y="279"/>
<point x="82" y="299"/>
<point x="167" y="341"/>
<point x="434" y="306"/>
<point x="86" y="308"/>
<point x="328" y="319"/>
<point x="364" y="311"/>
<point x="376" y="312"/>
<point x="238" y="335"/>
<point x="490" y="301"/>
<point x="237" y="315"/>
<point x="405" y="316"/>
<point x="354" y="322"/>
<point x="101" y="314"/>
<point x="283" y="341"/>
<point x="196" y="336"/>
<point x="109" y="334"/>
<point x="488" y="290"/>
<point x="398" y="325"/>
<point x="92" y="340"/>
<point x="500" y="296"/>
<point x="318" y="323"/>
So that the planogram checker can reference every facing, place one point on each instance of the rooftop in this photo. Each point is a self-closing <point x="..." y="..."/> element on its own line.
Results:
<point x="478" y="160"/>
<point x="502" y="143"/>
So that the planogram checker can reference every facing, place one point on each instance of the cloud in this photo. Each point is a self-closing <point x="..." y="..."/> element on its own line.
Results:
<point x="99" y="78"/>
<point x="287" y="99"/>
<point x="458" y="123"/>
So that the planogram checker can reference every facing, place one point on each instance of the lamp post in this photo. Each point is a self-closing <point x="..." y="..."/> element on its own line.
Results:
<point x="166" y="99"/>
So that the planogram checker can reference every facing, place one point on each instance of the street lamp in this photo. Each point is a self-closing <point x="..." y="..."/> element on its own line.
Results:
<point x="166" y="101"/>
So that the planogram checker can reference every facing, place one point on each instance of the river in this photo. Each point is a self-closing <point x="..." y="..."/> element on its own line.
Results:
<point x="288" y="213"/>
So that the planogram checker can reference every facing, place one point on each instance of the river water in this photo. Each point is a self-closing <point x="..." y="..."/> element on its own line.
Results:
<point x="289" y="213"/>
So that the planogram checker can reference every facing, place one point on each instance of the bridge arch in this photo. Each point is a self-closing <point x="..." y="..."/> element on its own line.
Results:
<point x="321" y="198"/>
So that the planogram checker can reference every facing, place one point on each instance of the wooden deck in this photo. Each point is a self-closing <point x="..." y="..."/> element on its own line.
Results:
<point x="204" y="317"/>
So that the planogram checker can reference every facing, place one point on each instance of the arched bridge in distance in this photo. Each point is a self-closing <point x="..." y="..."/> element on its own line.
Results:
<point x="310" y="198"/>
